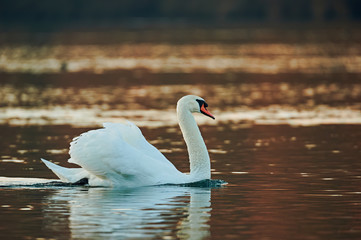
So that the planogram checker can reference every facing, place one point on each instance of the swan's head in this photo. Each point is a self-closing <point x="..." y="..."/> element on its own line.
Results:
<point x="194" y="104"/>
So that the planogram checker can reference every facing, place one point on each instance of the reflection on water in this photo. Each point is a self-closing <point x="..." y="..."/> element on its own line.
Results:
<point x="135" y="213"/>
<point x="216" y="58"/>
<point x="98" y="213"/>
<point x="283" y="181"/>
<point x="286" y="138"/>
<point x="294" y="103"/>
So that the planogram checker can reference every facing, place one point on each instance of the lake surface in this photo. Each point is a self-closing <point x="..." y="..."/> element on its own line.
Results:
<point x="287" y="141"/>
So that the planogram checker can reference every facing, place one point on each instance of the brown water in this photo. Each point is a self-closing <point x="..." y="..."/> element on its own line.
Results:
<point x="287" y="142"/>
<point x="284" y="183"/>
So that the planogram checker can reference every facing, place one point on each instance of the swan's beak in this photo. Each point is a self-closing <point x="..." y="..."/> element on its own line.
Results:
<point x="206" y="112"/>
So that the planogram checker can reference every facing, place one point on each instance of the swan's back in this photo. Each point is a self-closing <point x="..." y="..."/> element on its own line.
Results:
<point x="119" y="154"/>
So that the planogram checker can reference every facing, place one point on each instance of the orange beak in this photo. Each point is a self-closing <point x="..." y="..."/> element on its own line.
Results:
<point x="206" y="112"/>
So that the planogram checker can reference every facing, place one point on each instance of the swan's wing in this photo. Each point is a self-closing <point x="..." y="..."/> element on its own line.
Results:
<point x="119" y="152"/>
<point x="132" y="135"/>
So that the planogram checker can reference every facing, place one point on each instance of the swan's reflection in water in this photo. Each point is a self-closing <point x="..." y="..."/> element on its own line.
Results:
<point x="149" y="212"/>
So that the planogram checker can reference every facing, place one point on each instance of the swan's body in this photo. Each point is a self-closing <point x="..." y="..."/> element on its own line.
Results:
<point x="119" y="155"/>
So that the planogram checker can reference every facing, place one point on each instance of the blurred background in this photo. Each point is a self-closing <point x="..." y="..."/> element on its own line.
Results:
<point x="245" y="54"/>
<point x="78" y="14"/>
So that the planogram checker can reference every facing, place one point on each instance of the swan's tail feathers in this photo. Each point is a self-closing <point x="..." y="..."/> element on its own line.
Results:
<point x="69" y="175"/>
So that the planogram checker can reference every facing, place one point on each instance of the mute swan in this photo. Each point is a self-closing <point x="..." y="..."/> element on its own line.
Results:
<point x="118" y="154"/>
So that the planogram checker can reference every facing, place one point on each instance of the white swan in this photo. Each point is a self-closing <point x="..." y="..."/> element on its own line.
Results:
<point x="118" y="154"/>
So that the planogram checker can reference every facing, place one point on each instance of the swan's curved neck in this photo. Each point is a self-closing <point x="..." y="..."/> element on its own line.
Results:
<point x="200" y="166"/>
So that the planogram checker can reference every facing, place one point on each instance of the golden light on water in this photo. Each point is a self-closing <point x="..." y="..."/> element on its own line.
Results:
<point x="184" y="58"/>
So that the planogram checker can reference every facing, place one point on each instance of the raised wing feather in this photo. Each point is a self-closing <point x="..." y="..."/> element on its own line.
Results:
<point x="119" y="153"/>
<point x="133" y="136"/>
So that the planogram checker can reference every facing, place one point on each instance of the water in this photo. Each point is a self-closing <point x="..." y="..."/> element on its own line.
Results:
<point x="286" y="140"/>
<point x="284" y="181"/>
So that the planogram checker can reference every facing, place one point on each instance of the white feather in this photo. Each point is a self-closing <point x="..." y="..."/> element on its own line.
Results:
<point x="119" y="155"/>
<point x="66" y="174"/>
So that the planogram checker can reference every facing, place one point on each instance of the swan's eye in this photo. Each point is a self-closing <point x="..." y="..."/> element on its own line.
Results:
<point x="203" y="108"/>
<point x="201" y="102"/>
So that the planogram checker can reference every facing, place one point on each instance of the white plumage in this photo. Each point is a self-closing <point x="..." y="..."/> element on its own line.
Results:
<point x="119" y="155"/>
